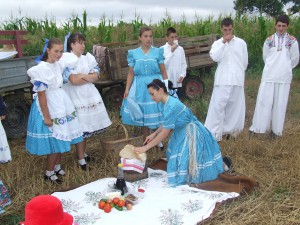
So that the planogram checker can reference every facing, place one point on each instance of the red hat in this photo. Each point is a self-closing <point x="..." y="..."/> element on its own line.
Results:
<point x="46" y="210"/>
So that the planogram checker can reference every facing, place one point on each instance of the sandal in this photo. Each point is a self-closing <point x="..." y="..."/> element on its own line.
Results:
<point x="85" y="167"/>
<point x="60" y="172"/>
<point x="53" y="179"/>
<point x="228" y="164"/>
<point x="89" y="158"/>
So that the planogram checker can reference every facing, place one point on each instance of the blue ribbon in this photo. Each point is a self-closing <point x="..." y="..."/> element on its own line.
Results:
<point x="40" y="57"/>
<point x="66" y="41"/>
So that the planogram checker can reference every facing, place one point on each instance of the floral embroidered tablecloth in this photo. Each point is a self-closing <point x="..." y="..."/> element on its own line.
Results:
<point x="160" y="205"/>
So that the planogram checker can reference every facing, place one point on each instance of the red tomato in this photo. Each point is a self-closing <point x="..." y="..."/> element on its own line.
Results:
<point x="101" y="204"/>
<point x="121" y="203"/>
<point x="115" y="200"/>
<point x="107" y="208"/>
<point x="109" y="201"/>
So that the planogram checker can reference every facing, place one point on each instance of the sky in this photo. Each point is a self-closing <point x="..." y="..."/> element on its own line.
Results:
<point x="150" y="11"/>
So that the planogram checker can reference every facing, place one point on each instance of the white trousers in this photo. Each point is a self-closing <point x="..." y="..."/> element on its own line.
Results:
<point x="226" y="112"/>
<point x="270" y="108"/>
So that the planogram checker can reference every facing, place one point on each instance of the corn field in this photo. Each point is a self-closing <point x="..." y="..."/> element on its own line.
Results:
<point x="253" y="29"/>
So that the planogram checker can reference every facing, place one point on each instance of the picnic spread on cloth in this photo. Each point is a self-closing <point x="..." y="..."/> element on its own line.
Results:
<point x="160" y="204"/>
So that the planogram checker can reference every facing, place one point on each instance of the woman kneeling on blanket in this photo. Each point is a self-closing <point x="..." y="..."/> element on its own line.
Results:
<point x="193" y="154"/>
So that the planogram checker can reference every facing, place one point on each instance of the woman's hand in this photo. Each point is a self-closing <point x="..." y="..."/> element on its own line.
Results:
<point x="2" y="117"/>
<point x="140" y="149"/>
<point x="126" y="93"/>
<point x="149" y="138"/>
<point x="48" y="122"/>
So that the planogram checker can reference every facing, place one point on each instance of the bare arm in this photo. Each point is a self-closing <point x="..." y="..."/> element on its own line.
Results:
<point x="161" y="135"/>
<point x="91" y="77"/>
<point x="163" y="71"/>
<point x="129" y="81"/>
<point x="78" y="79"/>
<point x="44" y="107"/>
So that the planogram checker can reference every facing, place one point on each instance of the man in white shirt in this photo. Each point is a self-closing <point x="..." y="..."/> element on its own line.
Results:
<point x="281" y="55"/>
<point x="174" y="59"/>
<point x="226" y="112"/>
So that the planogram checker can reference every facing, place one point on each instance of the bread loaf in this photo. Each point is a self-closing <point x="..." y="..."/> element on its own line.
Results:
<point x="128" y="153"/>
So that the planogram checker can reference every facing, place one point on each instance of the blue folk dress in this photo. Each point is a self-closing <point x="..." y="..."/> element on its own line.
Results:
<point x="146" y="67"/>
<point x="193" y="154"/>
<point x="42" y="140"/>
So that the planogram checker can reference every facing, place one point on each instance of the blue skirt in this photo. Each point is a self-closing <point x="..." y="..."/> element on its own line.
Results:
<point x="208" y="156"/>
<point x="146" y="112"/>
<point x="39" y="140"/>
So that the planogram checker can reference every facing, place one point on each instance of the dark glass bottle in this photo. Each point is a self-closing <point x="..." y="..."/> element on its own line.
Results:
<point x="121" y="183"/>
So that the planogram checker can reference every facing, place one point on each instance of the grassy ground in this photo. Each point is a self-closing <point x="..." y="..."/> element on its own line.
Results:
<point x="275" y="164"/>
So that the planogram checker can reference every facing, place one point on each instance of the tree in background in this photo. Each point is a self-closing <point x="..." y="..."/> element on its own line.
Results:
<point x="270" y="7"/>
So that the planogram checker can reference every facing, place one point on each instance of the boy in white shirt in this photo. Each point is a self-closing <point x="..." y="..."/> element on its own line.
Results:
<point x="175" y="61"/>
<point x="226" y="112"/>
<point x="281" y="55"/>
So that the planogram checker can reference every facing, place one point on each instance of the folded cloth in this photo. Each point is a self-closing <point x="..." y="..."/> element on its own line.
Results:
<point x="133" y="164"/>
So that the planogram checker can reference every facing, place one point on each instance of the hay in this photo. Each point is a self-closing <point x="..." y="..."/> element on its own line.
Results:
<point x="275" y="164"/>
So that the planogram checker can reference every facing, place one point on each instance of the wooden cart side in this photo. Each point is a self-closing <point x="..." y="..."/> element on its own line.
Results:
<point x="13" y="73"/>
<point x="196" y="51"/>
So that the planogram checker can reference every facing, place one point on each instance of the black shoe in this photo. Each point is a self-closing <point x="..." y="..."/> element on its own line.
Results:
<point x="56" y="181"/>
<point x="85" y="167"/>
<point x="89" y="158"/>
<point x="161" y="146"/>
<point x="228" y="162"/>
<point x="273" y="136"/>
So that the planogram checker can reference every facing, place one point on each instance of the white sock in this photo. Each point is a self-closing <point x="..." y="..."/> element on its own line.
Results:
<point x="51" y="175"/>
<point x="160" y="144"/>
<point x="82" y="161"/>
<point x="58" y="168"/>
<point x="225" y="167"/>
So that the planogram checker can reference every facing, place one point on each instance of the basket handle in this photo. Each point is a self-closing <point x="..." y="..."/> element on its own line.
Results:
<point x="124" y="128"/>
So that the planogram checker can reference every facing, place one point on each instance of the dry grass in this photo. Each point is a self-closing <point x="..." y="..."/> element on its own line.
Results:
<point x="275" y="164"/>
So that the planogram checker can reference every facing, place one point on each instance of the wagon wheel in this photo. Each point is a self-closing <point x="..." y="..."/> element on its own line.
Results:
<point x="113" y="97"/>
<point x="16" y="120"/>
<point x="193" y="87"/>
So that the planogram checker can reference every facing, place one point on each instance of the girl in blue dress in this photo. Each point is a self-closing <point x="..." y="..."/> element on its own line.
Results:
<point x="145" y="64"/>
<point x="53" y="124"/>
<point x="193" y="154"/>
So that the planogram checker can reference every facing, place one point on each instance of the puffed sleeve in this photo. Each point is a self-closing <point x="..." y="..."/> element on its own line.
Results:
<point x="68" y="60"/>
<point x="40" y="76"/>
<point x="130" y="58"/>
<point x="92" y="63"/>
<point x="68" y="63"/>
<point x="171" y="112"/>
<point x="161" y="57"/>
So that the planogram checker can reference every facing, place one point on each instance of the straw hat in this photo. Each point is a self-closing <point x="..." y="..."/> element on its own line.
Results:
<point x="46" y="210"/>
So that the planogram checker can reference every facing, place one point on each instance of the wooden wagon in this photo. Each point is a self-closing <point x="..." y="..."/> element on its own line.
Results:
<point x="16" y="88"/>
<point x="116" y="66"/>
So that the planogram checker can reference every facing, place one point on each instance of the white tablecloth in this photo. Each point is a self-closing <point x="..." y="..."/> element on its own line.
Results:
<point x="161" y="204"/>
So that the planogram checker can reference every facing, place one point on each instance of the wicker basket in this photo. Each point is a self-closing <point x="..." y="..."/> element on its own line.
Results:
<point x="113" y="145"/>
